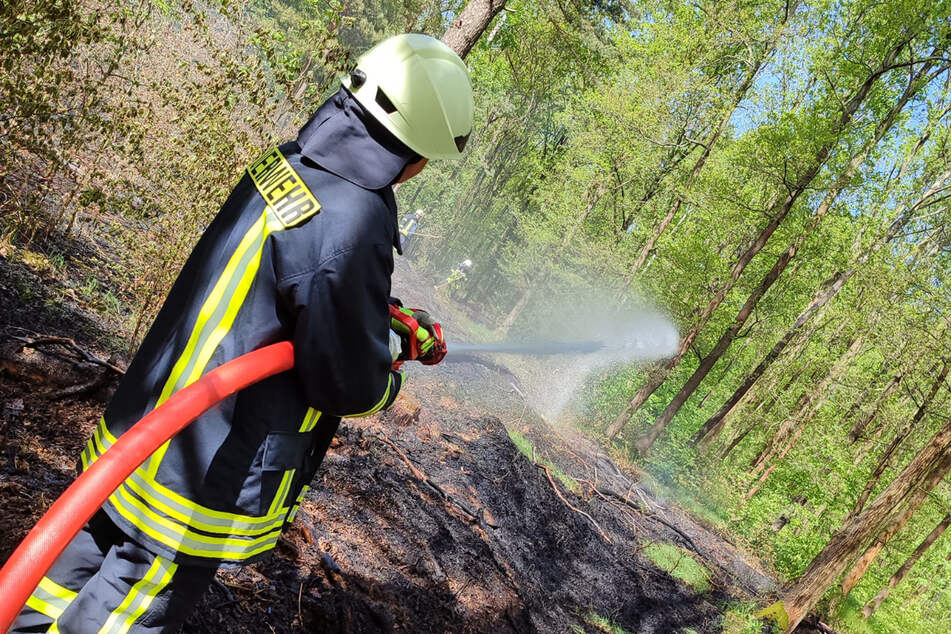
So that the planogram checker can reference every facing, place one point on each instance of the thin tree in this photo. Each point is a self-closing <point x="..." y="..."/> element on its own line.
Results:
<point x="755" y="65"/>
<point x="931" y="463"/>
<point x="916" y="82"/>
<point x="830" y="289"/>
<point x="777" y="213"/>
<point x="906" y="567"/>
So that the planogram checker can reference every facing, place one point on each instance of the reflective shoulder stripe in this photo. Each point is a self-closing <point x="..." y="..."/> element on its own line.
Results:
<point x="283" y="190"/>
<point x="211" y="312"/>
<point x="50" y="598"/>
<point x="215" y="319"/>
<point x="135" y="603"/>
<point x="376" y="408"/>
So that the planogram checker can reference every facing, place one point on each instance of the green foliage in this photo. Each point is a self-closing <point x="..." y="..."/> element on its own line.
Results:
<point x="740" y="618"/>
<point x="604" y="624"/>
<point x="679" y="563"/>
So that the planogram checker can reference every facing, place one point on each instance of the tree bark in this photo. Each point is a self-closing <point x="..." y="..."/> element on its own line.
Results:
<point x="906" y="567"/>
<point x="931" y="463"/>
<point x="472" y="21"/>
<point x="898" y="522"/>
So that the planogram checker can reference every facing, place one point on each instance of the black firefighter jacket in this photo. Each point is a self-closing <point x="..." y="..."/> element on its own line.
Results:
<point x="315" y="274"/>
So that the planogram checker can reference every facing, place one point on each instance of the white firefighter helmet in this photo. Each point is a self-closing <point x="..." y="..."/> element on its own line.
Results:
<point x="420" y="90"/>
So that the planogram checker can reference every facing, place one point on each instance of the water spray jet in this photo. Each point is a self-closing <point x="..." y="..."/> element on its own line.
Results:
<point x="531" y="349"/>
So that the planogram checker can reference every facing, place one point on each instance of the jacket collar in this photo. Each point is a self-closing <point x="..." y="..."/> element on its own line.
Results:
<point x="345" y="140"/>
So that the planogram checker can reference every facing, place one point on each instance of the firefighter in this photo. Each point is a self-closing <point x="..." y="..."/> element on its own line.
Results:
<point x="408" y="226"/>
<point x="302" y="251"/>
<point x="457" y="277"/>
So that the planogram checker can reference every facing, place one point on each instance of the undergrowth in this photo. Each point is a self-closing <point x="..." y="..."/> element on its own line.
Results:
<point x="679" y="564"/>
<point x="602" y="624"/>
<point x="740" y="618"/>
<point x="527" y="449"/>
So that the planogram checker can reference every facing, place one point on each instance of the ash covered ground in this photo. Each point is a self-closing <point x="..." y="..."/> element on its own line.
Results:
<point x="426" y="518"/>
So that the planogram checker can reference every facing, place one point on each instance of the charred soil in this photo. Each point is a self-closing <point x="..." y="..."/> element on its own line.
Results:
<point x="425" y="518"/>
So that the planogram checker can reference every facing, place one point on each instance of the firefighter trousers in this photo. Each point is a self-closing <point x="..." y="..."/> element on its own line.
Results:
<point x="105" y="582"/>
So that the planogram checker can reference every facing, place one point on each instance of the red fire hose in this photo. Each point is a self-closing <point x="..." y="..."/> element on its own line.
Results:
<point x="34" y="556"/>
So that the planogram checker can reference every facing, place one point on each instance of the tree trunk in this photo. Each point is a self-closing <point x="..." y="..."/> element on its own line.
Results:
<point x="749" y="336"/>
<point x="906" y="567"/>
<point x="862" y="424"/>
<point x="777" y="213"/>
<point x="898" y="522"/>
<point x="795" y="424"/>
<point x="593" y="195"/>
<point x="470" y="23"/>
<point x="898" y="440"/>
<point x="769" y="402"/>
<point x="706" y="364"/>
<point x="517" y="309"/>
<point x="931" y="463"/>
<point x="879" y="470"/>
<point x="873" y="440"/>
<point x="836" y="284"/>
<point x="715" y="422"/>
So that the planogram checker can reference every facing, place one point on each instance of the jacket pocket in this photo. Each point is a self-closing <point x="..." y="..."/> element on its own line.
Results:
<point x="284" y="456"/>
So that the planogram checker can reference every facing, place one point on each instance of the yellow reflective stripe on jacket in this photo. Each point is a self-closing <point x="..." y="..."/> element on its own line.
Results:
<point x="182" y="539"/>
<point x="195" y="515"/>
<point x="215" y="318"/>
<point x="48" y="585"/>
<point x="50" y="598"/>
<point x="209" y="308"/>
<point x="376" y="408"/>
<point x="310" y="419"/>
<point x="97" y="444"/>
<point x="192" y="516"/>
<point x="135" y="603"/>
<point x="288" y="202"/>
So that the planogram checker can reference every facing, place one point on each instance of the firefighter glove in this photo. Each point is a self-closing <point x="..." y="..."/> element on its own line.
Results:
<point x="421" y="335"/>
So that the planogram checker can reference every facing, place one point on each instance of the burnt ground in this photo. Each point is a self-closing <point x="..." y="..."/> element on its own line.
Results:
<point x="426" y="518"/>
